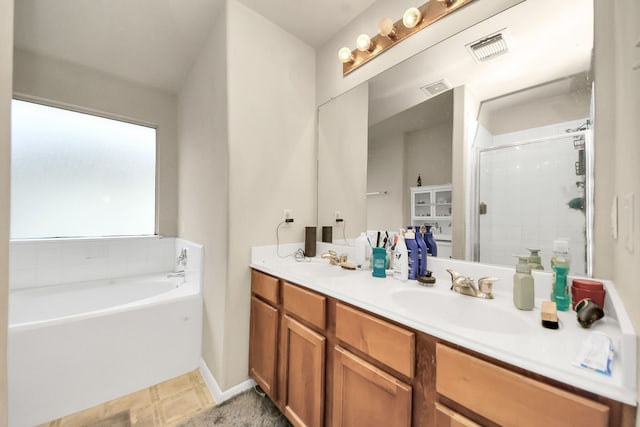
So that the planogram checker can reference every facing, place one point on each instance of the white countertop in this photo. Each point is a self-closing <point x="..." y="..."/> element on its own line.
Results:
<point x="523" y="342"/>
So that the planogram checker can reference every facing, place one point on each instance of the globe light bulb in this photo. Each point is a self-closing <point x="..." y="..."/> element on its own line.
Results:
<point x="386" y="28"/>
<point x="363" y="43"/>
<point x="411" y="17"/>
<point x="345" y="55"/>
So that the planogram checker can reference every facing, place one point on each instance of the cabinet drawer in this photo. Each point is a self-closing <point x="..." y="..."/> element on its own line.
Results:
<point x="266" y="286"/>
<point x="305" y="304"/>
<point x="385" y="342"/>
<point x="508" y="398"/>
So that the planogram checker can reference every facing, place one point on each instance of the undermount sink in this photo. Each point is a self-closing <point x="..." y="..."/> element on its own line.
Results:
<point x="463" y="311"/>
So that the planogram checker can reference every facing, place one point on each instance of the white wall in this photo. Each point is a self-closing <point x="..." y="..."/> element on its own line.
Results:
<point x="272" y="152"/>
<point x="6" y="58"/>
<point x="385" y="166"/>
<point x="617" y="148"/>
<point x="203" y="182"/>
<point x="342" y="154"/>
<point x="541" y="112"/>
<point x="428" y="153"/>
<point x="459" y="171"/>
<point x="330" y="82"/>
<point x="62" y="83"/>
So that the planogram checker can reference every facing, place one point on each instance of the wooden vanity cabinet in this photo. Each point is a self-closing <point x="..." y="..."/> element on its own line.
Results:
<point x="365" y="394"/>
<point x="325" y="363"/>
<point x="303" y="354"/>
<point x="263" y="332"/>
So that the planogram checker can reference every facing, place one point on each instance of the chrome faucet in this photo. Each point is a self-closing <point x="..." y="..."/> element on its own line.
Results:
<point x="176" y="274"/>
<point x="333" y="257"/>
<point x="182" y="258"/>
<point x="465" y="286"/>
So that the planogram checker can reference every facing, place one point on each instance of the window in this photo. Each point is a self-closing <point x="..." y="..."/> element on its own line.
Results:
<point x="79" y="175"/>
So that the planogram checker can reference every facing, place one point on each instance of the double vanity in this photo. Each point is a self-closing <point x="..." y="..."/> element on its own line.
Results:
<point x="337" y="347"/>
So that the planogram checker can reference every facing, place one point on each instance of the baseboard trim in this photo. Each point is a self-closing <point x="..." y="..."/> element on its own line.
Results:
<point x="218" y="395"/>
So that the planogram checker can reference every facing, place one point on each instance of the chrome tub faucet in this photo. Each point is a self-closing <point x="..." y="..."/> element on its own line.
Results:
<point x="182" y="258"/>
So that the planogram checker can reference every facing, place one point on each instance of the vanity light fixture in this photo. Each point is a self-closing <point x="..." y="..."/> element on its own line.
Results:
<point x="387" y="29"/>
<point x="411" y="17"/>
<point x="364" y="43"/>
<point x="390" y="33"/>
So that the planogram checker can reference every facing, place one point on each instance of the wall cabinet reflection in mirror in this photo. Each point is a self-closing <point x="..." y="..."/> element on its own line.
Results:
<point x="449" y="115"/>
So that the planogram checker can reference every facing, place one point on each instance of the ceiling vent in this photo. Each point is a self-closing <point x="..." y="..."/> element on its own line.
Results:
<point x="488" y="47"/>
<point x="435" y="88"/>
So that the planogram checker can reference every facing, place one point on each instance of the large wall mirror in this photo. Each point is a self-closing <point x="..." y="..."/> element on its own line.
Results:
<point x="509" y="136"/>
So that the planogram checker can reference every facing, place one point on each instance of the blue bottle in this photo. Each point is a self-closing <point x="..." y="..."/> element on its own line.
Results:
<point x="412" y="249"/>
<point x="430" y="241"/>
<point x="422" y="253"/>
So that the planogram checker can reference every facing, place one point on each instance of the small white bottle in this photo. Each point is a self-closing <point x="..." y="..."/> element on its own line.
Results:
<point x="361" y="245"/>
<point x="401" y="259"/>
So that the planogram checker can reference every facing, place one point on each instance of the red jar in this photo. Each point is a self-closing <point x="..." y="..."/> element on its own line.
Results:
<point x="584" y="288"/>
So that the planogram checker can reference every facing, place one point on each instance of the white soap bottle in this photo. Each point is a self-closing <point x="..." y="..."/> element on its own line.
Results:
<point x="361" y="245"/>
<point x="401" y="259"/>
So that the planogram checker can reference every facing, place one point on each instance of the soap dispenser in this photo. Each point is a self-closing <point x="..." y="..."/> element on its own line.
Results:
<point x="523" y="287"/>
<point x="534" y="259"/>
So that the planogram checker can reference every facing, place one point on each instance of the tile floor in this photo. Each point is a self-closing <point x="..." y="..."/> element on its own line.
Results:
<point x="163" y="405"/>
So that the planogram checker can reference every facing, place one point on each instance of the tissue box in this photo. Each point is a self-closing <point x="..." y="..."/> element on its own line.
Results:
<point x="583" y="288"/>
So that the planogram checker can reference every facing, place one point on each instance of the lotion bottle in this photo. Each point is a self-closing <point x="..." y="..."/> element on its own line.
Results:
<point x="361" y="245"/>
<point x="412" y="254"/>
<point x="523" y="286"/>
<point x="400" y="261"/>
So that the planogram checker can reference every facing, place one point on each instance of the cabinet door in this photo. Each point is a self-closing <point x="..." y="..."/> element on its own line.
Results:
<point x="446" y="417"/>
<point x="304" y="354"/>
<point x="421" y="204"/>
<point x="442" y="203"/>
<point x="263" y="341"/>
<point x="364" y="395"/>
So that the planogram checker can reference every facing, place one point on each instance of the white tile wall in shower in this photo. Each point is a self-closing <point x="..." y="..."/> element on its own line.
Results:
<point x="49" y="262"/>
<point x="513" y="181"/>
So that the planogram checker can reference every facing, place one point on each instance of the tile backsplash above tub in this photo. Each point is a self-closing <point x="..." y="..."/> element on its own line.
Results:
<point x="49" y="262"/>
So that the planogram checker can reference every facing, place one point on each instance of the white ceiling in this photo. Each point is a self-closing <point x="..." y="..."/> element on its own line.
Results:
<point x="312" y="21"/>
<point x="155" y="42"/>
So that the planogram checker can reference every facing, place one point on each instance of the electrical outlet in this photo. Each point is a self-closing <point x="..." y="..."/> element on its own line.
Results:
<point x="338" y="216"/>
<point x="288" y="214"/>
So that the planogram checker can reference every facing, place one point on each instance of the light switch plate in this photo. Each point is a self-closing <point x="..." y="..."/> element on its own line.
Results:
<point x="627" y="220"/>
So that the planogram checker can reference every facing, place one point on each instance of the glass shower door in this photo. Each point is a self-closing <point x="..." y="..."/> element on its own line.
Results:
<point x="531" y="194"/>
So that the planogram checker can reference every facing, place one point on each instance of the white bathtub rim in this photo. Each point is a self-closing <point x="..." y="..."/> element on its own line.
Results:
<point x="218" y="395"/>
<point x="186" y="290"/>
